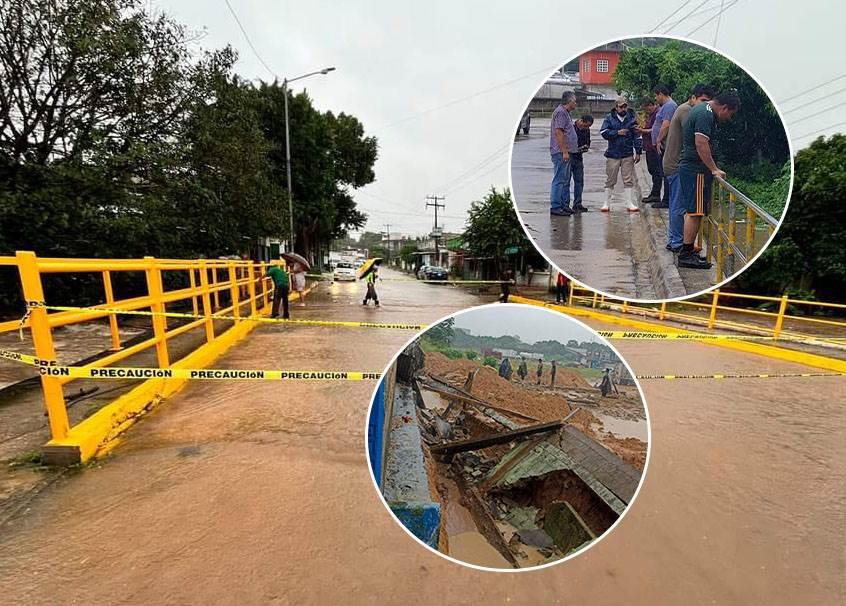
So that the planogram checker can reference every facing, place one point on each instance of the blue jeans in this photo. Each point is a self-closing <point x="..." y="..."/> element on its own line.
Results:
<point x="675" y="225"/>
<point x="559" y="194"/>
<point x="577" y="169"/>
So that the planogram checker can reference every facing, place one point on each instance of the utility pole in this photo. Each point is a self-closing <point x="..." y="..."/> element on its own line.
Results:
<point x="388" y="238"/>
<point x="434" y="202"/>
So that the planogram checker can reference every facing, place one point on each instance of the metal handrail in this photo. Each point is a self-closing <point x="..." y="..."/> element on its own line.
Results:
<point x="747" y="201"/>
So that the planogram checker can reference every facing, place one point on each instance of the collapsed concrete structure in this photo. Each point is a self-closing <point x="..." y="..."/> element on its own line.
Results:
<point x="486" y="484"/>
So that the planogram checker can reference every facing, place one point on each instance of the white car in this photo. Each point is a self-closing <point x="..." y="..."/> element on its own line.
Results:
<point x="344" y="271"/>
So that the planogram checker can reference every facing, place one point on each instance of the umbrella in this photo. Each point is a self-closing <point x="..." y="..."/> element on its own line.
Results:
<point x="292" y="257"/>
<point x="368" y="266"/>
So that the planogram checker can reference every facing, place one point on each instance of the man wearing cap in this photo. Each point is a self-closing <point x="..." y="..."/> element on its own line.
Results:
<point x="563" y="141"/>
<point x="620" y="129"/>
<point x="697" y="169"/>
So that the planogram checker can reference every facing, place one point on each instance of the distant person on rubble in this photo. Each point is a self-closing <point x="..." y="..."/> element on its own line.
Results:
<point x="371" y="287"/>
<point x="540" y="370"/>
<point x="280" y="290"/>
<point x="505" y="369"/>
<point x="552" y="370"/>
<point x="523" y="370"/>
<point x="606" y="385"/>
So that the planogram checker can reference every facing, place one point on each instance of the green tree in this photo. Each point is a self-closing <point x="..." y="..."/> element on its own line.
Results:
<point x="442" y="333"/>
<point x="471" y="355"/>
<point x="493" y="226"/>
<point x="680" y="66"/>
<point x="807" y="254"/>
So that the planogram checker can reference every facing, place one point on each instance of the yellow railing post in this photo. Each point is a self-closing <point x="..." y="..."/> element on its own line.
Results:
<point x="715" y="299"/>
<point x="570" y="294"/>
<point x="42" y="338"/>
<point x="207" y="307"/>
<point x="155" y="290"/>
<point x="251" y="286"/>
<point x="214" y="285"/>
<point x="595" y="296"/>
<point x="719" y="274"/>
<point x="193" y="282"/>
<point x="663" y="310"/>
<point x="263" y="282"/>
<point x="110" y="300"/>
<point x="731" y="235"/>
<point x="750" y="232"/>
<point x="233" y="290"/>
<point x="782" y="307"/>
<point x="625" y="306"/>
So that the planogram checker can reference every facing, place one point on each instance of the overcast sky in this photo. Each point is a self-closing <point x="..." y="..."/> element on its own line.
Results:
<point x="399" y="63"/>
<point x="531" y="324"/>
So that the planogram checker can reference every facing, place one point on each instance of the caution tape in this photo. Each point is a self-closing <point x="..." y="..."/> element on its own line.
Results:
<point x="780" y="375"/>
<point x="50" y="368"/>
<point x="174" y="314"/>
<point x="664" y="336"/>
<point x="330" y="277"/>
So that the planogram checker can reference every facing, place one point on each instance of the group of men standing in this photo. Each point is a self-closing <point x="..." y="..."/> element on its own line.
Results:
<point x="505" y="370"/>
<point x="677" y="142"/>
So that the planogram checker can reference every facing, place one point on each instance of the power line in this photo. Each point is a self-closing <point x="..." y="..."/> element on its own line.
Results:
<point x="822" y="111"/>
<point x="467" y="98"/>
<point x="670" y="16"/>
<point x="687" y="15"/>
<point x="247" y="38"/>
<point x="479" y="176"/>
<point x="481" y="164"/>
<point x="719" y="20"/>
<point x="709" y="9"/>
<point x="701" y="25"/>
<point x="818" y="86"/>
<point x="820" y="130"/>
<point x="814" y="101"/>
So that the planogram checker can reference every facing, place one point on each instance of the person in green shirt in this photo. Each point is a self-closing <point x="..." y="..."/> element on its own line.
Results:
<point x="371" y="287"/>
<point x="280" y="290"/>
<point x="697" y="169"/>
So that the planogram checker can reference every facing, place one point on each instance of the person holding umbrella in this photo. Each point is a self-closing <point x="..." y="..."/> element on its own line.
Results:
<point x="369" y="273"/>
<point x="299" y="266"/>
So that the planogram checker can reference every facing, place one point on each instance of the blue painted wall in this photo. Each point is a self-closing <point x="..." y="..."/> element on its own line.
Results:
<point x="376" y="432"/>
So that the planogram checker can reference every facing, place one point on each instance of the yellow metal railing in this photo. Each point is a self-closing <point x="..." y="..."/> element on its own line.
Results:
<point x="732" y="212"/>
<point x="243" y="281"/>
<point x="705" y="310"/>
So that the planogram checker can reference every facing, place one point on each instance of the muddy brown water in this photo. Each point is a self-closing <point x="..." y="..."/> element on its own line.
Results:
<point x="742" y="503"/>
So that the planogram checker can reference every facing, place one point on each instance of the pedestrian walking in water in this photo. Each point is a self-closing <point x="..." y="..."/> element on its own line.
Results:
<point x="540" y="370"/>
<point x="280" y="291"/>
<point x="523" y="370"/>
<point x="561" y="288"/>
<point x="298" y="281"/>
<point x="624" y="147"/>
<point x="371" y="287"/>
<point x="530" y="273"/>
<point x="505" y="369"/>
<point x="552" y="370"/>
<point x="606" y="385"/>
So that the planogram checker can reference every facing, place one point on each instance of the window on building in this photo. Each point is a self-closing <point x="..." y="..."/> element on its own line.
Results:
<point x="586" y="65"/>
<point x="602" y="65"/>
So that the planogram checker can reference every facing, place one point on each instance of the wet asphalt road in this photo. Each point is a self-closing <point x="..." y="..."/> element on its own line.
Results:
<point x="605" y="251"/>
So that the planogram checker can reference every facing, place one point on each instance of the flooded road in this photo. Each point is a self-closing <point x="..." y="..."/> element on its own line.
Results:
<point x="608" y="251"/>
<point x="257" y="493"/>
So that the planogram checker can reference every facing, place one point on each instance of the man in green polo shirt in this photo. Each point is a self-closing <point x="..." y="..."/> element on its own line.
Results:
<point x="280" y="290"/>
<point x="697" y="169"/>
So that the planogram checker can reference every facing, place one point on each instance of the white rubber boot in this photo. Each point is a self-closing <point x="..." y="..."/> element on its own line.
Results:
<point x="607" y="206"/>
<point x="631" y="200"/>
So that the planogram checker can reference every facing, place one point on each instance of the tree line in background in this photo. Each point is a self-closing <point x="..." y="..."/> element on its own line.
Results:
<point x="118" y="140"/>
<point x="752" y="148"/>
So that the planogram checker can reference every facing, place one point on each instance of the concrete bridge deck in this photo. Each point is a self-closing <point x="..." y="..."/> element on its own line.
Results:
<point x="260" y="492"/>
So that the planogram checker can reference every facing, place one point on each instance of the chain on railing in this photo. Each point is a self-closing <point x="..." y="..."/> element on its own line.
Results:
<point x="720" y="229"/>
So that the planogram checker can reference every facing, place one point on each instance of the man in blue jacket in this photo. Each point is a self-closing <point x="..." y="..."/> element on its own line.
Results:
<point x="620" y="129"/>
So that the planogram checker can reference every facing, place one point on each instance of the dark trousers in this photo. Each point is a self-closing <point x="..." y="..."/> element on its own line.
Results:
<point x="371" y="294"/>
<point x="506" y="290"/>
<point x="577" y="171"/>
<point x="560" y="293"/>
<point x="280" y="294"/>
<point x="655" y="166"/>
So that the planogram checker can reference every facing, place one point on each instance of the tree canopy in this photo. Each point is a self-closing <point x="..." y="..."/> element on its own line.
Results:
<point x="493" y="226"/>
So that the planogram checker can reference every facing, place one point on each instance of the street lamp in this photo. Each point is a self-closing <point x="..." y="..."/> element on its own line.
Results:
<point x="285" y="83"/>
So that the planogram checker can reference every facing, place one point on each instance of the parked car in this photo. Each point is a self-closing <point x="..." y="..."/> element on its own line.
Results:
<point x="344" y="270"/>
<point x="525" y="123"/>
<point x="430" y="272"/>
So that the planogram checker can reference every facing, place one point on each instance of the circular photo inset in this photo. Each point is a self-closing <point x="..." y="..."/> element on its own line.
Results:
<point x="508" y="437"/>
<point x="651" y="169"/>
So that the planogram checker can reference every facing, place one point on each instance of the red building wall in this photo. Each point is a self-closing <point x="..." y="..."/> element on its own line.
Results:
<point x="588" y="73"/>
